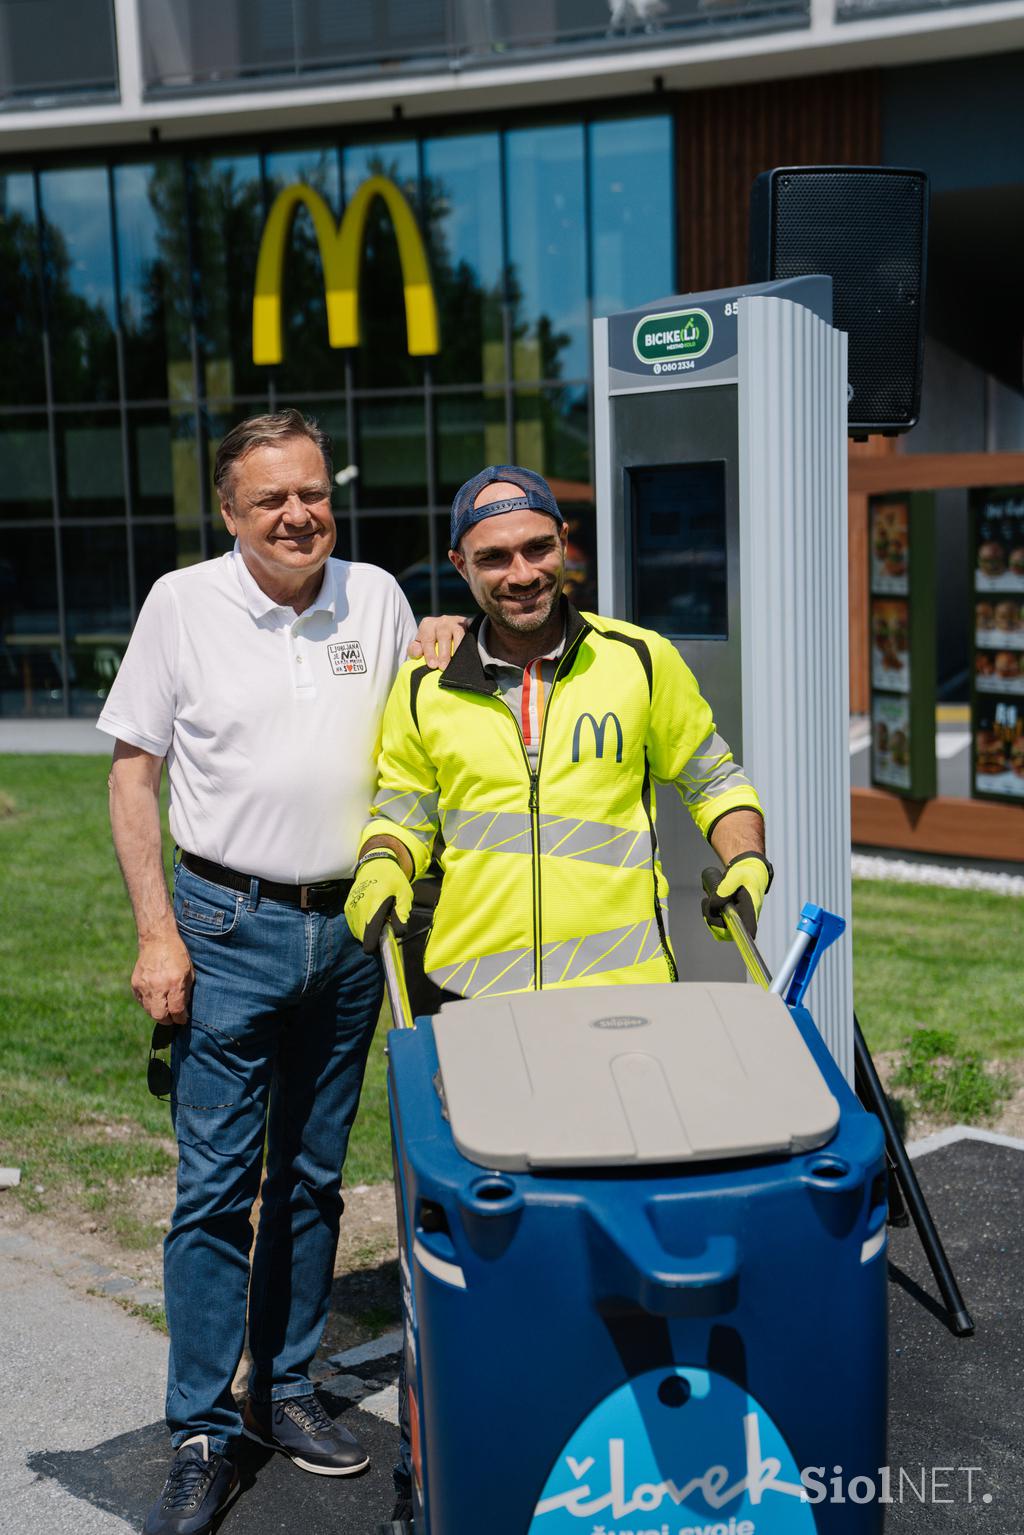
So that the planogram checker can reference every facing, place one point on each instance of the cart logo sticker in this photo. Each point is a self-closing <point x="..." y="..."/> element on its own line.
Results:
<point x="684" y="333"/>
<point x="677" y="1450"/>
<point x="620" y="1021"/>
<point x="599" y="730"/>
<point x="346" y="658"/>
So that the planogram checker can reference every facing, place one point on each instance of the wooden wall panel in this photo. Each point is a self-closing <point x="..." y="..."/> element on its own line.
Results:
<point x="728" y="136"/>
<point x="958" y="828"/>
<point x="725" y="138"/>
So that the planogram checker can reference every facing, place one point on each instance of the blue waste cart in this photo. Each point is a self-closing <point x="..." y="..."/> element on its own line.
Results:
<point x="642" y="1246"/>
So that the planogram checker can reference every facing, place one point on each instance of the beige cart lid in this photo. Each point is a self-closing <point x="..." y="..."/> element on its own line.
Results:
<point x="607" y="1075"/>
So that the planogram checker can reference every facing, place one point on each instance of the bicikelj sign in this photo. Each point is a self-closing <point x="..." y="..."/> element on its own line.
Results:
<point x="341" y="249"/>
<point x="681" y="333"/>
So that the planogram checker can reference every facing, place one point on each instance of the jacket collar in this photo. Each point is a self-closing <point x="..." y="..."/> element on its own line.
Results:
<point x="466" y="669"/>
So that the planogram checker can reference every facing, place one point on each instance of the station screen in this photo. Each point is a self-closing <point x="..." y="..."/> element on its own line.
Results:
<point x="677" y="517"/>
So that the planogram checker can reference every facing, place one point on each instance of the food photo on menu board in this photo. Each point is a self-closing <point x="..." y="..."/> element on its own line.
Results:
<point x="890" y="744"/>
<point x="999" y="623"/>
<point x="890" y="645"/>
<point x="999" y="671"/>
<point x="999" y="748"/>
<point x="890" y="533"/>
<point x="999" y="556"/>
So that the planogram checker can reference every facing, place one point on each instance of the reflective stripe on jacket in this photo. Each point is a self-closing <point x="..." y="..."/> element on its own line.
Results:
<point x="551" y="877"/>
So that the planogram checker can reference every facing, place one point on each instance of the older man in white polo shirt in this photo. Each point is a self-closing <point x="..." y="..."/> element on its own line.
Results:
<point x="260" y="678"/>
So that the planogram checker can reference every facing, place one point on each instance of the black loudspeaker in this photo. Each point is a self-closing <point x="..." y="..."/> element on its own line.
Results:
<point x="866" y="227"/>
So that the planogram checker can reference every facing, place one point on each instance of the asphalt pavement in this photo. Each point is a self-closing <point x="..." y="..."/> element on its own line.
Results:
<point x="83" y="1445"/>
<point x="955" y="1402"/>
<point x="77" y="1373"/>
<point x="82" y="1448"/>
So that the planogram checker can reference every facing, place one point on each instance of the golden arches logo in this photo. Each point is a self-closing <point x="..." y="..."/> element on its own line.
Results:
<point x="341" y="248"/>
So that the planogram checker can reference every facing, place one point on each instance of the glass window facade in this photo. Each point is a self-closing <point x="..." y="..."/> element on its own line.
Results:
<point x="126" y="303"/>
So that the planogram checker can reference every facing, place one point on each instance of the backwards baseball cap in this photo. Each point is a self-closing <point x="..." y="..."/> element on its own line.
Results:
<point x="536" y="497"/>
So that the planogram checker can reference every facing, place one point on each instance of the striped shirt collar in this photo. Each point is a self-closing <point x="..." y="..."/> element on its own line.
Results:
<point x="484" y="634"/>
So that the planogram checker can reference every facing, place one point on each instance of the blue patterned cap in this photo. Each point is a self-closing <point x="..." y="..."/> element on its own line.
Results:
<point x="536" y="497"/>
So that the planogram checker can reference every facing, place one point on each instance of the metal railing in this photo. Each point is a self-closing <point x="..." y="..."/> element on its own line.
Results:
<point x="211" y="45"/>
<point x="56" y="52"/>
<point x="866" y="10"/>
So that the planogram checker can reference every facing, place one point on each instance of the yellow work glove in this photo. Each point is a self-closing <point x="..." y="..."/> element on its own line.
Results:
<point x="744" y="884"/>
<point x="379" y="890"/>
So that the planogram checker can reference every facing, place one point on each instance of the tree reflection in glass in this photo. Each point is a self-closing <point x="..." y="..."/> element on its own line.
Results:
<point x="153" y="272"/>
<point x="78" y="263"/>
<point x="22" y="378"/>
<point x="228" y="212"/>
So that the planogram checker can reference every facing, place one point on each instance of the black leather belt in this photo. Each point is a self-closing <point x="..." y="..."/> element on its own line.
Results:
<point x="326" y="893"/>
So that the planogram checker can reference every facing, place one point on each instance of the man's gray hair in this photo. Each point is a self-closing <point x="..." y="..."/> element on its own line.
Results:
<point x="261" y="432"/>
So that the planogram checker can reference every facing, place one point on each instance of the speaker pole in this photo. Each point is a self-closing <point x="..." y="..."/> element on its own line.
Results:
<point x="897" y="1207"/>
<point x="872" y="1094"/>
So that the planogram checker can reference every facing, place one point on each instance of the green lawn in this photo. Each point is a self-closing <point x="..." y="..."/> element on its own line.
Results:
<point x="946" y="959"/>
<point x="74" y="1111"/>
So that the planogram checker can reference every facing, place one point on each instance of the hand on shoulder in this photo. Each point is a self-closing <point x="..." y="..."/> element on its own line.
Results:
<point x="437" y="640"/>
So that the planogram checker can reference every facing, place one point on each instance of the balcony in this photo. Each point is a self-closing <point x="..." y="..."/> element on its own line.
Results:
<point x="198" y="46"/>
<point x="56" y="53"/>
<point x="882" y="10"/>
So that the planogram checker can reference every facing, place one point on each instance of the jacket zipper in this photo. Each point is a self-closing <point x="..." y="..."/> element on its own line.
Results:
<point x="534" y="806"/>
<point x="533" y="802"/>
<point x="538" y="979"/>
<point x="538" y="925"/>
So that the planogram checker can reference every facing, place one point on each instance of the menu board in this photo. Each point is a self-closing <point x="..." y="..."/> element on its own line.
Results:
<point x="901" y="579"/>
<point x="997" y="693"/>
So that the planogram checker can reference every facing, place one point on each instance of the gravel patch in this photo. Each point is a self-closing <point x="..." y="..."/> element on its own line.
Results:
<point x="901" y="872"/>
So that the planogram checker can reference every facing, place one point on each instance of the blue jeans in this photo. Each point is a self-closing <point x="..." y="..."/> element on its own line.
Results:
<point x="283" y="1011"/>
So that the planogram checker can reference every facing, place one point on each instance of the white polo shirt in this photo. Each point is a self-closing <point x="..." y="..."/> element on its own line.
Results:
<point x="269" y="720"/>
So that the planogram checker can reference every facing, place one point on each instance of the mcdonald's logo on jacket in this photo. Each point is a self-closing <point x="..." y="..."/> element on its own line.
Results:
<point x="599" y="730"/>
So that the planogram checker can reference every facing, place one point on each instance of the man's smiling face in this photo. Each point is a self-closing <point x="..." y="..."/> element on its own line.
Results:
<point x="280" y="511"/>
<point x="514" y="563"/>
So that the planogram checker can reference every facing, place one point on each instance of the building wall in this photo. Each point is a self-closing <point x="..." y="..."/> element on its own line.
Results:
<point x="128" y="341"/>
<point x="726" y="137"/>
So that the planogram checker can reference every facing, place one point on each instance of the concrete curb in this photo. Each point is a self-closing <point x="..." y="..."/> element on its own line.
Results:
<point x="954" y="1133"/>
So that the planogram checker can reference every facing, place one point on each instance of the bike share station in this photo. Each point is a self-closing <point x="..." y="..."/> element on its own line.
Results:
<point x="643" y="1228"/>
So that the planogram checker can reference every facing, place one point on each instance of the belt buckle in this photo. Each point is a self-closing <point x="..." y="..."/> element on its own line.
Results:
<point x="322" y="887"/>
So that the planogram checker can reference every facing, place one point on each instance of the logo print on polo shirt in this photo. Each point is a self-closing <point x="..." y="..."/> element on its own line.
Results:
<point x="346" y="658"/>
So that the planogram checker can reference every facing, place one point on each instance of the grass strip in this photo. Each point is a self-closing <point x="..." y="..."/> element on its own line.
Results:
<point x="927" y="957"/>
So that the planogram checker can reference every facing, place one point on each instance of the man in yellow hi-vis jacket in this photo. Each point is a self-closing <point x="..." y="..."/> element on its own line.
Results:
<point x="531" y="761"/>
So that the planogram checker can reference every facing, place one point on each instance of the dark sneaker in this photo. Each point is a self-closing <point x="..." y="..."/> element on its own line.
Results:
<point x="199" y="1487"/>
<point x="300" y="1428"/>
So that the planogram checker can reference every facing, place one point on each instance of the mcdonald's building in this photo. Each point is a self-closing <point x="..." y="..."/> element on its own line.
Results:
<point x="402" y="219"/>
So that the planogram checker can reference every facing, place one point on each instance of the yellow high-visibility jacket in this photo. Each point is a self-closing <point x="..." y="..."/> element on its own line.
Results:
<point x="551" y="877"/>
